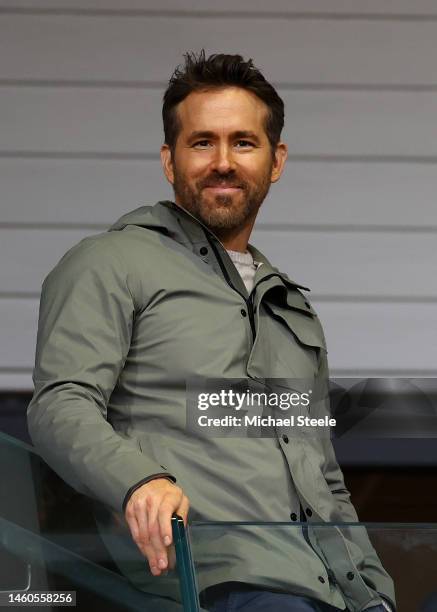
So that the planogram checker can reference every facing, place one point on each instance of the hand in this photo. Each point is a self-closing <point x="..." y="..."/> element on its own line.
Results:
<point x="148" y="514"/>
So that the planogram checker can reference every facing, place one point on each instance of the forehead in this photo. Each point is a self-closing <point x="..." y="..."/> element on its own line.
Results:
<point x="228" y="109"/>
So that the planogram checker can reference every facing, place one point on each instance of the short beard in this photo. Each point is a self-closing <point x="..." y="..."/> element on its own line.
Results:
<point x="223" y="217"/>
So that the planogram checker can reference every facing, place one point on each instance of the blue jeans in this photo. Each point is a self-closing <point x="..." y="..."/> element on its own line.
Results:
<point x="241" y="597"/>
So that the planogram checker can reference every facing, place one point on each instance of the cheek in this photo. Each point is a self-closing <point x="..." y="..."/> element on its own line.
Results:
<point x="195" y="171"/>
<point x="256" y="169"/>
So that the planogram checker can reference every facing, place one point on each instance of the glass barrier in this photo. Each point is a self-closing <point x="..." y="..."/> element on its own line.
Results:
<point x="50" y="545"/>
<point x="52" y="539"/>
<point x="273" y="556"/>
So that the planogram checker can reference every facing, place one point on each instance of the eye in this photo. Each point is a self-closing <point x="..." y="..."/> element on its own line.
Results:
<point x="245" y="143"/>
<point x="201" y="143"/>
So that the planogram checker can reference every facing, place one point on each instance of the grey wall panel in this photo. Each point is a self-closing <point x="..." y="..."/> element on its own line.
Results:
<point x="367" y="338"/>
<point x="31" y="254"/>
<point x="129" y="121"/>
<point x="77" y="119"/>
<point x="318" y="7"/>
<point x="18" y="328"/>
<point x="354" y="194"/>
<point x="330" y="263"/>
<point x="356" y="264"/>
<point x="135" y="47"/>
<point x="362" y="123"/>
<point x="83" y="191"/>
<point x="16" y="381"/>
<point x="381" y="337"/>
<point x="42" y="191"/>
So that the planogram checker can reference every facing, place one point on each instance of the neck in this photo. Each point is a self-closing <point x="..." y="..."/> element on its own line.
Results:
<point x="237" y="239"/>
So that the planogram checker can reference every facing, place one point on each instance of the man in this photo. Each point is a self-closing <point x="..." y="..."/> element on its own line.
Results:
<point x="172" y="292"/>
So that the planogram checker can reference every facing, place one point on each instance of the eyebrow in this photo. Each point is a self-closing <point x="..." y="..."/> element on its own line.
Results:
<point x="237" y="134"/>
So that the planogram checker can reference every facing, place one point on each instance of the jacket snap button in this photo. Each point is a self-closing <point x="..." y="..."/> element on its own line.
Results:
<point x="309" y="512"/>
<point x="293" y="516"/>
<point x="285" y="438"/>
<point x="203" y="251"/>
<point x="321" y="579"/>
<point x="350" y="575"/>
<point x="243" y="313"/>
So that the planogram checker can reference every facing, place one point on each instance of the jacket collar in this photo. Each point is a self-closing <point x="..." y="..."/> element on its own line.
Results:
<point x="198" y="231"/>
<point x="179" y="224"/>
<point x="266" y="269"/>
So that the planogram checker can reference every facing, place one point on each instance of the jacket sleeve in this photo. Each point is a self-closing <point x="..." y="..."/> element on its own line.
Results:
<point x="371" y="569"/>
<point x="86" y="318"/>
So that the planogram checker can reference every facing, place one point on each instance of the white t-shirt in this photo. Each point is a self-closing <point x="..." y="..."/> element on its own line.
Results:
<point x="245" y="265"/>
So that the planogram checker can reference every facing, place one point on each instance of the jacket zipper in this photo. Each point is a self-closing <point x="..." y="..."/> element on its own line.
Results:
<point x="251" y="316"/>
<point x="248" y="301"/>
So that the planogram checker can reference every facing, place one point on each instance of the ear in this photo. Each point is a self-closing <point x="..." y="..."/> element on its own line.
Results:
<point x="280" y="158"/>
<point x="167" y="163"/>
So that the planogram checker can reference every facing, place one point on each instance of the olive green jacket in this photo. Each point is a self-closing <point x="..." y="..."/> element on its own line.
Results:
<point x="126" y="318"/>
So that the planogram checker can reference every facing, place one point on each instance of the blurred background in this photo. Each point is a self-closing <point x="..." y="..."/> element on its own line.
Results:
<point x="354" y="216"/>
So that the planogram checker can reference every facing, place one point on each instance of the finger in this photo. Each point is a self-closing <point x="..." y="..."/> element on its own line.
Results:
<point x="184" y="508"/>
<point x="149" y="553"/>
<point x="132" y="521"/>
<point x="143" y="540"/>
<point x="155" y="534"/>
<point x="140" y="510"/>
<point x="133" y="524"/>
<point x="182" y="511"/>
<point x="168" y="506"/>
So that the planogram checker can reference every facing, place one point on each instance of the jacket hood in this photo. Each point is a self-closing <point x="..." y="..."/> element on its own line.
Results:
<point x="143" y="216"/>
<point x="164" y="217"/>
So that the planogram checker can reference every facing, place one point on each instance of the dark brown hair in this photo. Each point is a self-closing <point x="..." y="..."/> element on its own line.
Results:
<point x="219" y="70"/>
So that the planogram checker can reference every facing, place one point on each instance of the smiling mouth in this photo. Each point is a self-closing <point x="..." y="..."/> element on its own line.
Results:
<point x="223" y="188"/>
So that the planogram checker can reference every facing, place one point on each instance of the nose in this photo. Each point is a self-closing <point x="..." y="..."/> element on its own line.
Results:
<point x="223" y="160"/>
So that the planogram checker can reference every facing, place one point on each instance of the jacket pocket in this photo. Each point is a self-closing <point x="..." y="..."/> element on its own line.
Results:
<point x="301" y="321"/>
<point x="293" y="341"/>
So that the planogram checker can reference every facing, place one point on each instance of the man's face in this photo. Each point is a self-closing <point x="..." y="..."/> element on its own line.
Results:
<point x="222" y="166"/>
